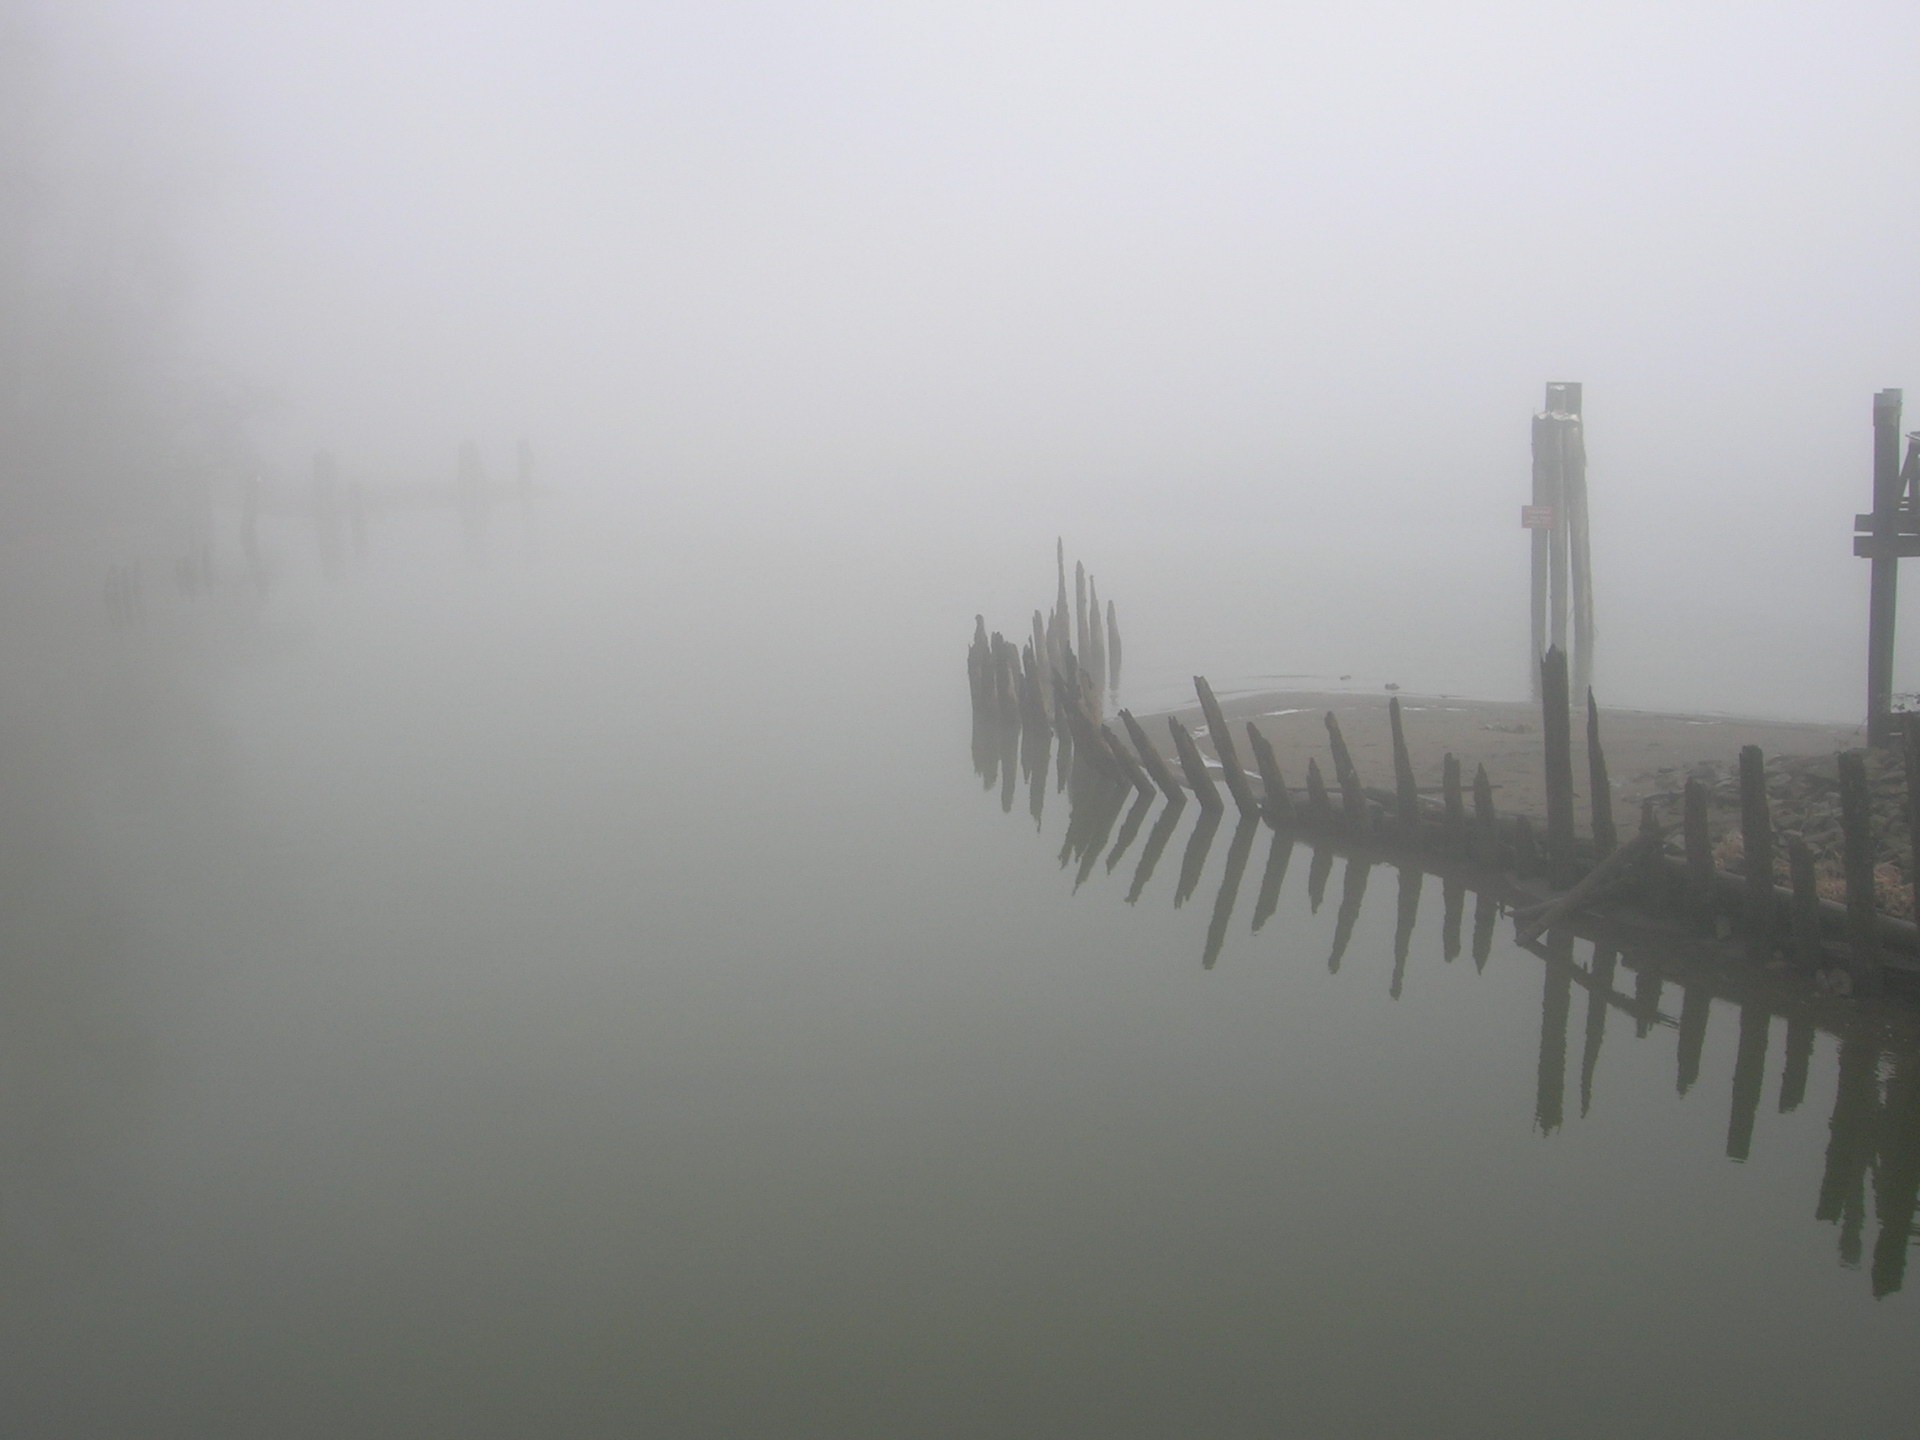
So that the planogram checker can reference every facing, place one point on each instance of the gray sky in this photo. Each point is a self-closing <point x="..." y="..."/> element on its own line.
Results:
<point x="1308" y="265"/>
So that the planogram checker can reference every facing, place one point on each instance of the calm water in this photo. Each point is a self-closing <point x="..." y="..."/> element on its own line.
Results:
<point x="574" y="999"/>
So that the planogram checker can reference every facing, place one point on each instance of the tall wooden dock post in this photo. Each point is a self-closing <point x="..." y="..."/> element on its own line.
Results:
<point x="1556" y="730"/>
<point x="1889" y="535"/>
<point x="1562" y="589"/>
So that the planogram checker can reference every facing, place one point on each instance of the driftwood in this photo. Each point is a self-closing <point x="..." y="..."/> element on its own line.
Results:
<point x="1535" y="920"/>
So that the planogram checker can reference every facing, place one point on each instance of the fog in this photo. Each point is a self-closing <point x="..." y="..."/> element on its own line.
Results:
<point x="524" y="957"/>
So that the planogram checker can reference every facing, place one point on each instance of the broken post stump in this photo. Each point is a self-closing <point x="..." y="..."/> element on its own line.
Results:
<point x="1405" y="793"/>
<point x="1278" y="804"/>
<point x="1150" y="758"/>
<point x="1353" y="798"/>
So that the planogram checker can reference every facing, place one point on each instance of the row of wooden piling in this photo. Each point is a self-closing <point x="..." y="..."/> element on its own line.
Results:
<point x="1770" y="917"/>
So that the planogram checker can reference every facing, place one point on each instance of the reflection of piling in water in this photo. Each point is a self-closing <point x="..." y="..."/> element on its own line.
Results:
<point x="1605" y="961"/>
<point x="1850" y="1144"/>
<point x="1157" y="839"/>
<point x="1556" y="1005"/>
<point x="1453" y="901"/>
<point x="1223" y="903"/>
<point x="1129" y="767"/>
<point x="1318" y="869"/>
<point x="1793" y="1073"/>
<point x="1749" y="1074"/>
<point x="1406" y="916"/>
<point x="1195" y="858"/>
<point x="1856" y="829"/>
<point x="1648" y="986"/>
<point x="1107" y="810"/>
<point x="1221" y="734"/>
<point x="1896" y="1177"/>
<point x="1279" y="856"/>
<point x="1353" y="890"/>
<point x="1041" y="739"/>
<point x="1194" y="768"/>
<point x="1129" y="828"/>
<point x="1485" y="912"/>
<point x="1695" y="1006"/>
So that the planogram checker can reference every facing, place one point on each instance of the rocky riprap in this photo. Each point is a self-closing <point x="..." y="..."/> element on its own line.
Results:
<point x="1803" y="793"/>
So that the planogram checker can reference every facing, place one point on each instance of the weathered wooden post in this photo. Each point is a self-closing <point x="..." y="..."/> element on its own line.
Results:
<point x="1557" y="518"/>
<point x="1222" y="736"/>
<point x="1319" y="805"/>
<point x="1454" y="825"/>
<point x="1195" y="769"/>
<point x="1699" y="845"/>
<point x="1113" y="649"/>
<point x="1756" y="842"/>
<point x="1605" y="837"/>
<point x="1096" y="638"/>
<point x="1277" y="804"/>
<point x="1405" y="793"/>
<point x="1806" y="905"/>
<point x="1353" y="798"/>
<point x="1856" y="827"/>
<point x="1486" y="825"/>
<point x="1556" y="731"/>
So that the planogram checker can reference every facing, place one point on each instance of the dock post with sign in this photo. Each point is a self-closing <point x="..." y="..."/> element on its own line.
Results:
<point x="1562" y="598"/>
<point x="1889" y="532"/>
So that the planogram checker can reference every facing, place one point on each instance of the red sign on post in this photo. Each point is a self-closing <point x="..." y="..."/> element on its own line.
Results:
<point x="1536" y="517"/>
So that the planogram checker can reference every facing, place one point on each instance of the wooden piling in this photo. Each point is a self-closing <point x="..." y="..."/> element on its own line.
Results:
<point x="1699" y="844"/>
<point x="1080" y="610"/>
<point x="1807" y="949"/>
<point x="1222" y="736"/>
<point x="1604" y="835"/>
<point x="1486" y="826"/>
<point x="1856" y="827"/>
<point x="1277" y="804"/>
<point x="1096" y="637"/>
<point x="1319" y="806"/>
<point x="1454" y="825"/>
<point x="1406" y="793"/>
<point x="1353" y="799"/>
<point x="1150" y="759"/>
<point x="1756" y="838"/>
<point x="1556" y="732"/>
<point x="1195" y="769"/>
<point x="1113" y="648"/>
